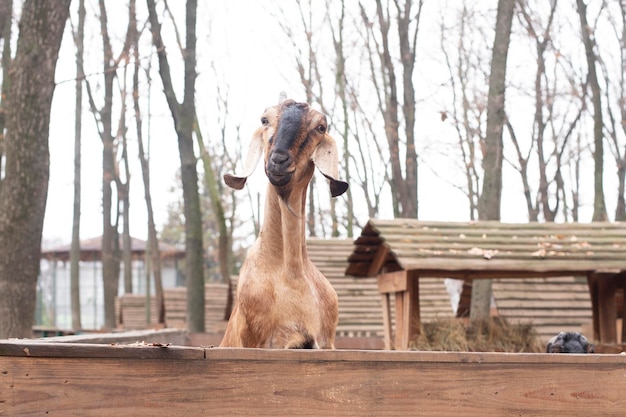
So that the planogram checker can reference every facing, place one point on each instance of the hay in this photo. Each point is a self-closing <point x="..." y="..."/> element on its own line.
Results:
<point x="494" y="335"/>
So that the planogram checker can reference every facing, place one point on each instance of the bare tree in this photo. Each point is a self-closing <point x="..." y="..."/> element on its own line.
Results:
<point x="403" y="187"/>
<point x="153" y="256"/>
<point x="184" y="115"/>
<point x="304" y="35"/>
<point x="620" y="210"/>
<point x="468" y="106"/>
<point x="225" y="233"/>
<point x="110" y="254"/>
<point x="342" y="94"/>
<point x="557" y="113"/>
<point x="489" y="202"/>
<point x="25" y="184"/>
<point x="616" y="125"/>
<point x="6" y="19"/>
<point x="123" y="185"/>
<point x="79" y="36"/>
<point x="599" y="205"/>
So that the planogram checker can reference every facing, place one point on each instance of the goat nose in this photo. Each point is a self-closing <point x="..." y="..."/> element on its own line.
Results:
<point x="279" y="157"/>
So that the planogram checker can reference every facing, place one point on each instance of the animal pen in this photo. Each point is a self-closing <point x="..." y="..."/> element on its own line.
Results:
<point x="109" y="375"/>
<point x="148" y="379"/>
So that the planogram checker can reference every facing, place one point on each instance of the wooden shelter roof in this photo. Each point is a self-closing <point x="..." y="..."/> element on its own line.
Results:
<point x="91" y="249"/>
<point x="459" y="250"/>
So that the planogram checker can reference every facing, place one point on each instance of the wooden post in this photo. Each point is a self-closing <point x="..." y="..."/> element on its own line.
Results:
<point x="592" y="281"/>
<point x="606" y="308"/>
<point x="386" y="320"/>
<point x="404" y="285"/>
<point x="622" y="285"/>
<point x="401" y="342"/>
<point x="412" y="307"/>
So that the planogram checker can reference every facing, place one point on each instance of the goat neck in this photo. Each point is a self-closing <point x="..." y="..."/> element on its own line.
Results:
<point x="283" y="228"/>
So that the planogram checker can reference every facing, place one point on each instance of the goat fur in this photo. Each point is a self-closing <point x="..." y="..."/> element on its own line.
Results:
<point x="283" y="300"/>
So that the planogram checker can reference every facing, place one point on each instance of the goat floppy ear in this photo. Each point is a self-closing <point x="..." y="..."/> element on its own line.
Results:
<point x="255" y="150"/>
<point x="326" y="159"/>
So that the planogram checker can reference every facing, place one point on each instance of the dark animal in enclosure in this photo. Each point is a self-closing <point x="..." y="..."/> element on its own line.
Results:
<point x="569" y="342"/>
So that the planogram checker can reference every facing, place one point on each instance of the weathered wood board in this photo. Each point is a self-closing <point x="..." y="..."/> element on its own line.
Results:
<point x="101" y="380"/>
<point x="467" y="250"/>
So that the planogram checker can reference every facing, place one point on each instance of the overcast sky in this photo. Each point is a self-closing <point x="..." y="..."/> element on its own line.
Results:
<point x="251" y="53"/>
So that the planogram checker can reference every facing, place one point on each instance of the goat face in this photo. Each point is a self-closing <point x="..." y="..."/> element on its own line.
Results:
<point x="569" y="342"/>
<point x="294" y="138"/>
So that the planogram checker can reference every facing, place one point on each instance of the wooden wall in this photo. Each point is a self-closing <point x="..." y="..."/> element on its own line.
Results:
<point x="54" y="379"/>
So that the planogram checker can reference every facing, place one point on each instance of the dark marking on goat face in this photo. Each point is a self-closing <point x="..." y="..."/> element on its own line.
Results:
<point x="307" y="344"/>
<point x="569" y="342"/>
<point x="289" y="148"/>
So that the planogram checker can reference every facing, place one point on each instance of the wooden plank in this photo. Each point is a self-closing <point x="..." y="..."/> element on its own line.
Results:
<point x="236" y="382"/>
<point x="607" y="312"/>
<point x="25" y="348"/>
<point x="392" y="282"/>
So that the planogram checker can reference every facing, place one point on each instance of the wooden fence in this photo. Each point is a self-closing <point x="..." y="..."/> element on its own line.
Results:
<point x="54" y="379"/>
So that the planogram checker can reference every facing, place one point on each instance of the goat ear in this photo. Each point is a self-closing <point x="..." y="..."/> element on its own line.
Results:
<point x="326" y="159"/>
<point x="255" y="150"/>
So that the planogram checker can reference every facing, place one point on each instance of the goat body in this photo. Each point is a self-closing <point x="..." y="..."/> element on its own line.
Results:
<point x="283" y="300"/>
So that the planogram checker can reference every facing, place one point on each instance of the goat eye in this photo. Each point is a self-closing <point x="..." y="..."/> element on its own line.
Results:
<point x="321" y="128"/>
<point x="264" y="121"/>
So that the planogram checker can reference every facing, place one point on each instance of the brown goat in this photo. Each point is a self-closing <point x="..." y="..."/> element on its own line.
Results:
<point x="283" y="300"/>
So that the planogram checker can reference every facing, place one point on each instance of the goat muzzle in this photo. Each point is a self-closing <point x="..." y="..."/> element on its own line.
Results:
<point x="279" y="168"/>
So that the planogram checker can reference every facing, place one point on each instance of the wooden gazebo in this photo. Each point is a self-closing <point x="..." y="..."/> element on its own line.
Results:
<point x="401" y="251"/>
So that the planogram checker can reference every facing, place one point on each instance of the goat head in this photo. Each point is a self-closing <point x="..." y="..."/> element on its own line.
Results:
<point x="294" y="138"/>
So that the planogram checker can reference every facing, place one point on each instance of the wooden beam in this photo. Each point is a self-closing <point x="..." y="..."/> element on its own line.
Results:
<point x="379" y="260"/>
<point x="592" y="281"/>
<point x="392" y="282"/>
<point x="386" y="319"/>
<point x="400" y="343"/>
<point x="236" y="382"/>
<point x="410" y="311"/>
<point x="607" y="310"/>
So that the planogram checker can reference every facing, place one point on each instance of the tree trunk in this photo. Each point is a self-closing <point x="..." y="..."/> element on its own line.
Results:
<point x="599" y="206"/>
<point x="153" y="240"/>
<point x="403" y="188"/>
<point x="224" y="244"/>
<point x="342" y="94"/>
<point x="183" y="115"/>
<point x="6" y="19"/>
<point x="78" y="117"/>
<point x="110" y="256"/>
<point x="489" y="202"/>
<point x="408" y="42"/>
<point x="123" y="187"/>
<point x="25" y="185"/>
<point x="124" y="195"/>
<point x="620" y="210"/>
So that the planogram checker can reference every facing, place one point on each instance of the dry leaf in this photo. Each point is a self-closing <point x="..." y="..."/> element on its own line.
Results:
<point x="541" y="253"/>
<point x="475" y="251"/>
